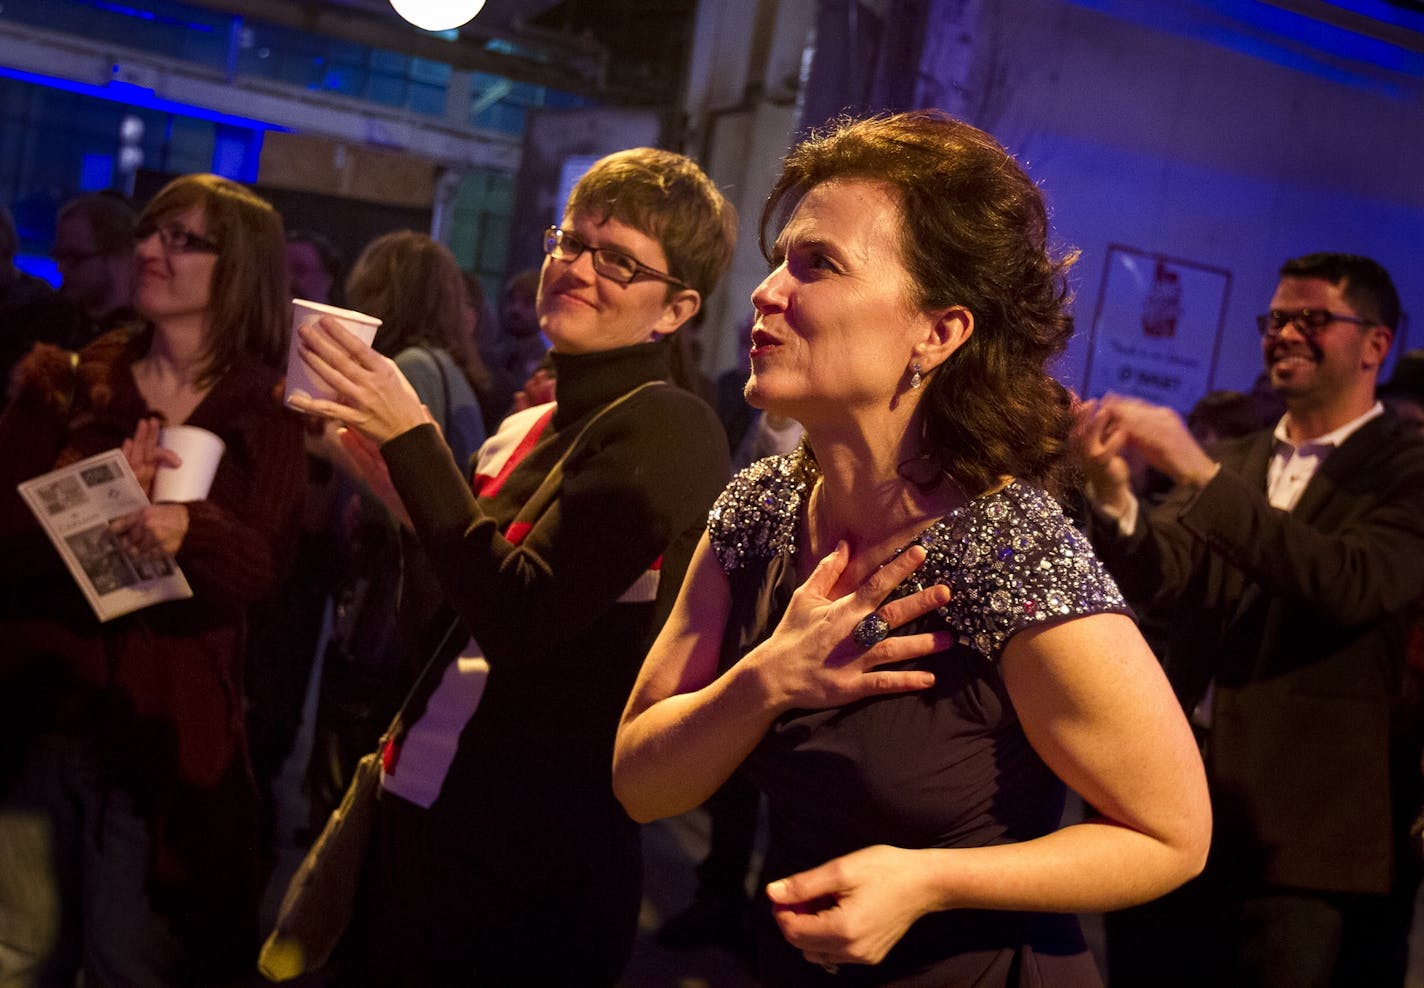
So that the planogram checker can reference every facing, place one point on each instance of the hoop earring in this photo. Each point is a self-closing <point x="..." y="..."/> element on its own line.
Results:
<point x="915" y="379"/>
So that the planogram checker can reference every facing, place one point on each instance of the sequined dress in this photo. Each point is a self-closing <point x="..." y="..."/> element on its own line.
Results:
<point x="948" y="767"/>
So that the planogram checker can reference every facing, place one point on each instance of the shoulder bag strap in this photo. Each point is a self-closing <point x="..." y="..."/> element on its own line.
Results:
<point x="541" y="497"/>
<point x="532" y="509"/>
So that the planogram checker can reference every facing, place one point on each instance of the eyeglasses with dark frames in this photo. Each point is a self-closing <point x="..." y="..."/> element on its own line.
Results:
<point x="1307" y="322"/>
<point x="614" y="265"/>
<point x="176" y="238"/>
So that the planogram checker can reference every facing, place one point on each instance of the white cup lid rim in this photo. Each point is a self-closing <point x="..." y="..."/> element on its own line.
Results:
<point x="332" y="310"/>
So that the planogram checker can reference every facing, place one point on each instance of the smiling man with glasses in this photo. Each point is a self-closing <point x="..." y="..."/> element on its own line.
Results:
<point x="1289" y="562"/>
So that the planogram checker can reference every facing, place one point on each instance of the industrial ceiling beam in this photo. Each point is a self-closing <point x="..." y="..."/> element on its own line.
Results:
<point x="567" y="63"/>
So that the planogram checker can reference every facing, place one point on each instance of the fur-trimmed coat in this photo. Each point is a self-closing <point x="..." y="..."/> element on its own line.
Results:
<point x="159" y="691"/>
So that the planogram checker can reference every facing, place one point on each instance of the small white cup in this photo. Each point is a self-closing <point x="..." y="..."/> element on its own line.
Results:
<point x="301" y="379"/>
<point x="200" y="452"/>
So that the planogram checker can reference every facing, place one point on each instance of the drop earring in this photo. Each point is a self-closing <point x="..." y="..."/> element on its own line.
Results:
<point x="915" y="379"/>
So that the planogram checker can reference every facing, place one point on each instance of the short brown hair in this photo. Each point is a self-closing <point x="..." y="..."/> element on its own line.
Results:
<point x="668" y="197"/>
<point x="249" y="299"/>
<point x="974" y="234"/>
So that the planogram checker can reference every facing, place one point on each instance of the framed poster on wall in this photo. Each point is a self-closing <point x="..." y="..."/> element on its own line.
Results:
<point x="1156" y="328"/>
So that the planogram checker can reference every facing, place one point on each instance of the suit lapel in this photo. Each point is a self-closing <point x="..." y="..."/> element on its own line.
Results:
<point x="1351" y="459"/>
<point x="1253" y="460"/>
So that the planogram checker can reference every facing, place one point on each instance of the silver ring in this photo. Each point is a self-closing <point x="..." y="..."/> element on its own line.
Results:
<point x="871" y="631"/>
<point x="830" y="968"/>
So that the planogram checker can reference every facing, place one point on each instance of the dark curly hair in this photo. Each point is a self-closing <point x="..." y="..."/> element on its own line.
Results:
<point x="974" y="234"/>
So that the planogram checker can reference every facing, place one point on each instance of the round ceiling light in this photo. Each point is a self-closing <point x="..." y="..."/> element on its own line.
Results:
<point x="438" y="15"/>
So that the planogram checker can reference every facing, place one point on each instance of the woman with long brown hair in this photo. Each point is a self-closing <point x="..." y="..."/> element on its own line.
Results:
<point x="128" y="817"/>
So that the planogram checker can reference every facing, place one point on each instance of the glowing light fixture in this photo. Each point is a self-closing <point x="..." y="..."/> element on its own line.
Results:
<point x="438" y="15"/>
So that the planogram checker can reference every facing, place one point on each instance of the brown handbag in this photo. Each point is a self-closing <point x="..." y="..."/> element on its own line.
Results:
<point x="320" y="898"/>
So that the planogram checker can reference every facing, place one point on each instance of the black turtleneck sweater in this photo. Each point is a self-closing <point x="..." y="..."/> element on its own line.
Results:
<point x="563" y="651"/>
<point x="525" y="870"/>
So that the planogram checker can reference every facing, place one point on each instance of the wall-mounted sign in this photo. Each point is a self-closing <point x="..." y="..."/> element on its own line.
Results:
<point x="1157" y="328"/>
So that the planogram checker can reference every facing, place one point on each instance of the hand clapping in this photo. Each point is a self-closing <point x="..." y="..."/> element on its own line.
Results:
<point x="1104" y="427"/>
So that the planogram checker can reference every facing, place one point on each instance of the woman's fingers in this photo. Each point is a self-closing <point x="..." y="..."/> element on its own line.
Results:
<point x="334" y="342"/>
<point x="337" y="357"/>
<point x="889" y="576"/>
<point x="332" y="369"/>
<point x="323" y="408"/>
<point x="836" y="650"/>
<point x="906" y="609"/>
<point x="828" y="571"/>
<point x="890" y="648"/>
<point x="371" y="393"/>
<point x="166" y="458"/>
<point x="143" y="453"/>
<point x="877" y="616"/>
<point x="901" y="648"/>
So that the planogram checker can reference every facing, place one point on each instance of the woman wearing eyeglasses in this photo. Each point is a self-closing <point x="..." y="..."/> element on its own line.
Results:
<point x="501" y="855"/>
<point x="127" y="810"/>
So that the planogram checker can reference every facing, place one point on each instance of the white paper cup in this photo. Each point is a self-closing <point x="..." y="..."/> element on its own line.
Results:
<point x="200" y="452"/>
<point x="301" y="379"/>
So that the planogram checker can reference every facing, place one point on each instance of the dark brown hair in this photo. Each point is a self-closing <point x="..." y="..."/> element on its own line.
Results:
<point x="1224" y="414"/>
<point x="1365" y="284"/>
<point x="413" y="284"/>
<point x="668" y="197"/>
<point x="248" y="304"/>
<point x="110" y="218"/>
<point x="974" y="234"/>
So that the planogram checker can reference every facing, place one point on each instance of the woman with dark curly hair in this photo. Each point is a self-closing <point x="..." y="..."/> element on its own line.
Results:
<point x="894" y="631"/>
<point x="128" y="812"/>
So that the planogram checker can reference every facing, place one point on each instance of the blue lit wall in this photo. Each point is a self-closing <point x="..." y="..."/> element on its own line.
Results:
<point x="1285" y="38"/>
<point x="1228" y="133"/>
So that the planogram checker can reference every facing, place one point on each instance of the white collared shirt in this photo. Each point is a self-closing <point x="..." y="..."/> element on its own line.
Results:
<point x="1293" y="465"/>
<point x="1289" y="472"/>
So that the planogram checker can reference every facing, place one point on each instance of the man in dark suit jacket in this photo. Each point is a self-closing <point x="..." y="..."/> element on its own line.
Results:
<point x="1288" y="561"/>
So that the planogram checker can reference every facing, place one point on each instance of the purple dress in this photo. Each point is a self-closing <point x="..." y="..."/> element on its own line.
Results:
<point x="947" y="767"/>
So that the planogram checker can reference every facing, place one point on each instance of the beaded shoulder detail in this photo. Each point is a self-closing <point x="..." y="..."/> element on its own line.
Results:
<point x="754" y="518"/>
<point x="1010" y="557"/>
